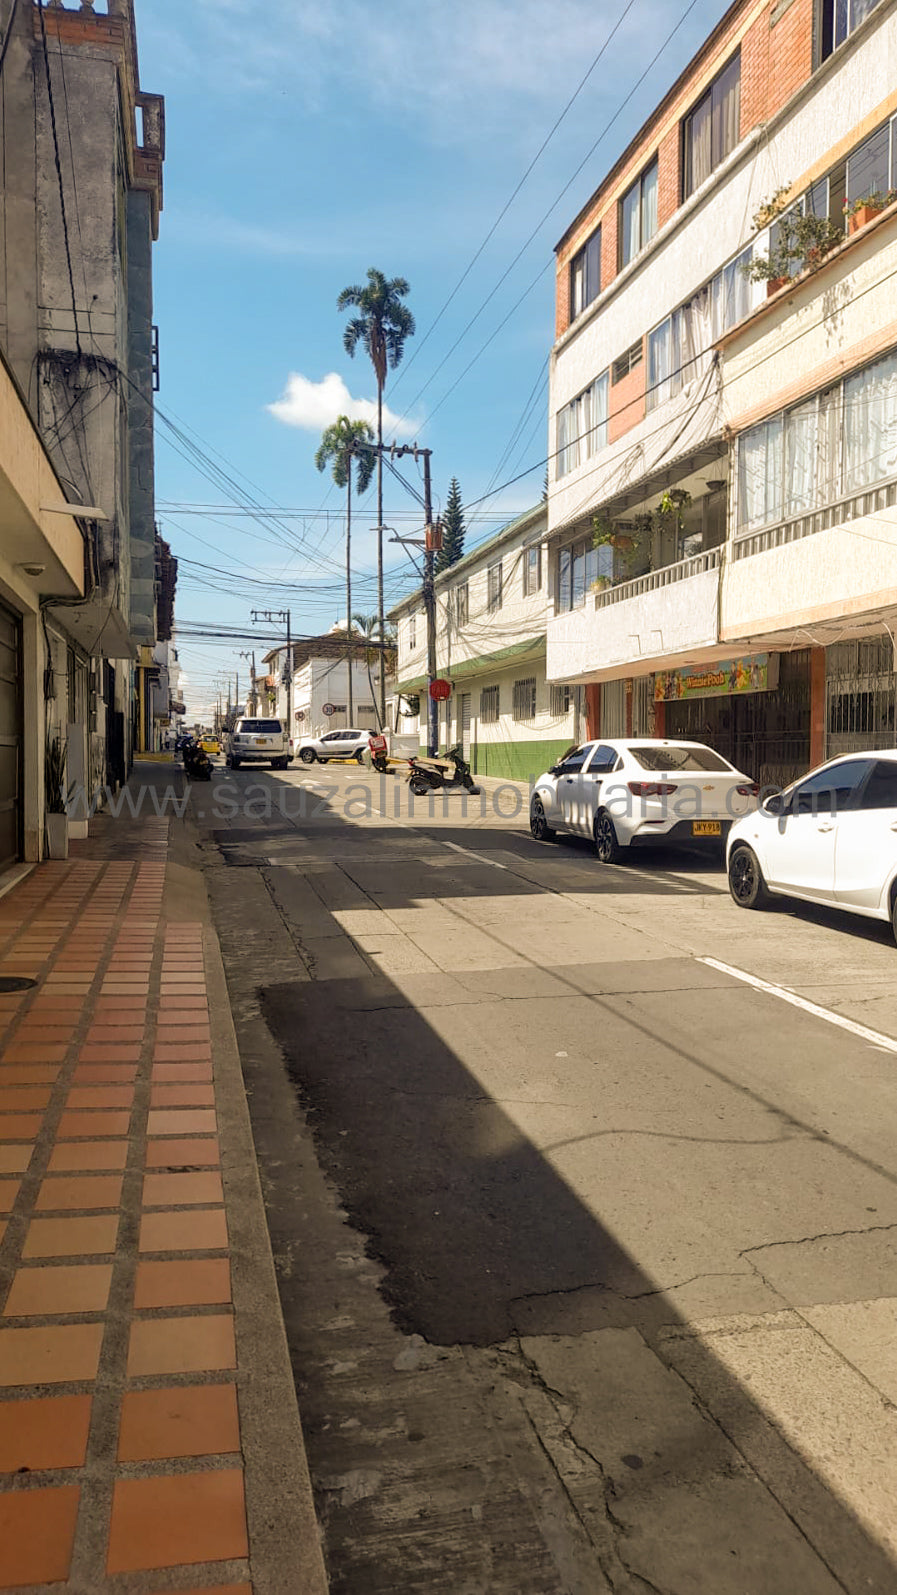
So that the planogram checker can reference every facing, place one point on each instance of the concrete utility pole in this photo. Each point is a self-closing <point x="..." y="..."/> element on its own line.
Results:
<point x="245" y="654"/>
<point x="431" y="542"/>
<point x="281" y="617"/>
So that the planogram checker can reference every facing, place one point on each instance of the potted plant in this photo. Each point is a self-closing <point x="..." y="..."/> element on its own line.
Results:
<point x="601" y="584"/>
<point x="55" y="798"/>
<point x="862" y="210"/>
<point x="801" y="243"/>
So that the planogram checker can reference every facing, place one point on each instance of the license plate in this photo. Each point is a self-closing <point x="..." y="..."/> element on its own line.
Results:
<point x="705" y="828"/>
<point x="260" y="742"/>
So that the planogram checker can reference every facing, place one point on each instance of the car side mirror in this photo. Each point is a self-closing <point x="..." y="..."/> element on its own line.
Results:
<point x="775" y="804"/>
<point x="555" y="770"/>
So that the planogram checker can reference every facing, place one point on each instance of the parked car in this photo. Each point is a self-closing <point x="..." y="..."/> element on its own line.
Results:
<point x="830" y="838"/>
<point x="630" y="792"/>
<point x="210" y="745"/>
<point x="257" y="741"/>
<point x="344" y="744"/>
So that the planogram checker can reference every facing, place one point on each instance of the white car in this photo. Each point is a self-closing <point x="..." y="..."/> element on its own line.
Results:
<point x="344" y="744"/>
<point x="630" y="792"/>
<point x="830" y="838"/>
<point x="257" y="741"/>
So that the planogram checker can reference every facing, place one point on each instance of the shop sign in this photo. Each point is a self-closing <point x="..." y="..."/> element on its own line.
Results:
<point x="752" y="673"/>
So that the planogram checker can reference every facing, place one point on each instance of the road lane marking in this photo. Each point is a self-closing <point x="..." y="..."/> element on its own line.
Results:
<point x="875" y="1037"/>
<point x="470" y="852"/>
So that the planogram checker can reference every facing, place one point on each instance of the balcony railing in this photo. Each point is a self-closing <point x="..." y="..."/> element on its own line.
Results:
<point x="868" y="502"/>
<point x="665" y="576"/>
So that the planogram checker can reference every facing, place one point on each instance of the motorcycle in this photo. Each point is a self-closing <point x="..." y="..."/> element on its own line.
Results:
<point x="197" y="763"/>
<point x="430" y="776"/>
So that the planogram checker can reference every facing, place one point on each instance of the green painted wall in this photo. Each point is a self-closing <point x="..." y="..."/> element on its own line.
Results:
<point x="517" y="761"/>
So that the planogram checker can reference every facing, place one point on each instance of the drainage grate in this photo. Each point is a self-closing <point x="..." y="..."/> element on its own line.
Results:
<point x="15" y="983"/>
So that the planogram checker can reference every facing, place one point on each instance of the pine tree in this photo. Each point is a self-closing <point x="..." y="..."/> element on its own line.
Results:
<point x="453" y="529"/>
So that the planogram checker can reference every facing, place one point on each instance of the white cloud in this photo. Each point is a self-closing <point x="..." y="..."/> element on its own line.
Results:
<point x="312" y="406"/>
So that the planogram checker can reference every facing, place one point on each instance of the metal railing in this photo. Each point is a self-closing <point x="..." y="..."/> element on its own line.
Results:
<point x="852" y="508"/>
<point x="664" y="576"/>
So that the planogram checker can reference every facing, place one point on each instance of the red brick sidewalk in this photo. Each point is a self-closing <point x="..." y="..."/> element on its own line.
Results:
<point x="129" y="1410"/>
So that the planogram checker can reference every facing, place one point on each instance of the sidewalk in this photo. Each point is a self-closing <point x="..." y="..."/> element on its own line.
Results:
<point x="149" y="1437"/>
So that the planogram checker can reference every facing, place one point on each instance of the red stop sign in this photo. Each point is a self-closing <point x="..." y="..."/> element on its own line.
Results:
<point x="440" y="689"/>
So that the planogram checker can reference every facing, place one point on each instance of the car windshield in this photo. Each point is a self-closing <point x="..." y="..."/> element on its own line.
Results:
<point x="261" y="725"/>
<point x="679" y="758"/>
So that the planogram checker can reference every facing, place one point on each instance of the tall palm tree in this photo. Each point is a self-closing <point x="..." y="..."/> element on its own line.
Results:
<point x="381" y="327"/>
<point x="342" y="443"/>
<point x="370" y="628"/>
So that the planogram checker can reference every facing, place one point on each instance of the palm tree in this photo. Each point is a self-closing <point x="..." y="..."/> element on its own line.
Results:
<point x="370" y="628"/>
<point x="342" y="443"/>
<point x="381" y="328"/>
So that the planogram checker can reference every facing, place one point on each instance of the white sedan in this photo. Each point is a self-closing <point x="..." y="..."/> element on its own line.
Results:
<point x="630" y="792"/>
<point x="830" y="838"/>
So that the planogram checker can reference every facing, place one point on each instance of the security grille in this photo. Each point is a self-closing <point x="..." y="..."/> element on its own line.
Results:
<point x="643" y="706"/>
<point x="525" y="699"/>
<point x="489" y="705"/>
<point x="559" y="700"/>
<point x="613" y="708"/>
<point x="861" y="696"/>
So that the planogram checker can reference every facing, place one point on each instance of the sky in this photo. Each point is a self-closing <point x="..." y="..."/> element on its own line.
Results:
<point x="305" y="143"/>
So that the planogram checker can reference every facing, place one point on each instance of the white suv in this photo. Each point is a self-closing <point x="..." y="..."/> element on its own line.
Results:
<point x="258" y="742"/>
<point x="334" y="745"/>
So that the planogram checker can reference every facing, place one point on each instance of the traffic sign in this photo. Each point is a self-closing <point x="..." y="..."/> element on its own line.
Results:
<point x="440" y="689"/>
<point x="329" y="708"/>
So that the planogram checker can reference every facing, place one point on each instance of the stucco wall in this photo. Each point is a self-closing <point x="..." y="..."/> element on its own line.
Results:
<point x="845" y="571"/>
<point x="638" y="633"/>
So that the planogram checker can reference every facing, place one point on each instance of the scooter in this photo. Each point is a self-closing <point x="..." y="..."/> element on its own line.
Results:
<point x="197" y="763"/>
<point x="430" y="776"/>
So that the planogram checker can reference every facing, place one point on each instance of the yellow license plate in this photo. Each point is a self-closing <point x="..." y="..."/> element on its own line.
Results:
<point x="705" y="828"/>
<point x="260" y="742"/>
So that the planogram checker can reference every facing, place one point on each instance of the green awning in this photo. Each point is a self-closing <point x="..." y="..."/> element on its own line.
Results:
<point x="531" y="648"/>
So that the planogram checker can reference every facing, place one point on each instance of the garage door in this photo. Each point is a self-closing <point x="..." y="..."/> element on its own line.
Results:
<point x="10" y="739"/>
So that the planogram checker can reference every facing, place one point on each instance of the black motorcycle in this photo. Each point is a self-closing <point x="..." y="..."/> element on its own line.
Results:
<point x="430" y="776"/>
<point x="197" y="763"/>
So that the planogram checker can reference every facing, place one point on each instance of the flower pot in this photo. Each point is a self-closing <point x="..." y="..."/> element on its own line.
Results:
<point x="859" y="218"/>
<point x="57" y="836"/>
<point x="774" y="284"/>
<point x="625" y="545"/>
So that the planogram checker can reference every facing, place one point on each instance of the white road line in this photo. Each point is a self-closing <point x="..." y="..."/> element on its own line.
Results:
<point x="875" y="1037"/>
<point x="471" y="853"/>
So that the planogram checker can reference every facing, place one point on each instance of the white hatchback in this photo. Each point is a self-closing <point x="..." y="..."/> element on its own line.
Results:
<point x="830" y="838"/>
<point x="633" y="792"/>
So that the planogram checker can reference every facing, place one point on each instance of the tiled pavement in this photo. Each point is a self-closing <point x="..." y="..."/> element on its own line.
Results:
<point x="137" y="1447"/>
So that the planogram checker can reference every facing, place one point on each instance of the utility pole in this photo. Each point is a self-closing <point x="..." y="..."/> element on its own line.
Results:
<point x="281" y="617"/>
<point x="432" y="540"/>
<point x="245" y="654"/>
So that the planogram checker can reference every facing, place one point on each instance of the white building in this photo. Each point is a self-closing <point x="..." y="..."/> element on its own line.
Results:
<point x="491" y="613"/>
<point x="739" y="436"/>
<point x="320" y="687"/>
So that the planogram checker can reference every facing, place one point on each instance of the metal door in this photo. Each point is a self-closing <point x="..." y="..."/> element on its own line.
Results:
<point x="10" y="739"/>
<point x="464" y="737"/>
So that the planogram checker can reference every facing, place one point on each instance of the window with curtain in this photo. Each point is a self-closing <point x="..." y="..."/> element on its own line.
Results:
<point x="679" y="349"/>
<point x="838" y="20"/>
<point x="532" y="570"/>
<point x="585" y="275"/>
<point x="713" y="127"/>
<point x="760" y="475"/>
<point x="638" y="214"/>
<point x="870" y="425"/>
<point x="494" y="601"/>
<point x="582" y="426"/>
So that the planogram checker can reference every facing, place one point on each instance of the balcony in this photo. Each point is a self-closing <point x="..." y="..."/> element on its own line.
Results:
<point x="654" y="622"/>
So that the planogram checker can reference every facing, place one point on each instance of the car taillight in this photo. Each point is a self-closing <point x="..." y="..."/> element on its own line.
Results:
<point x="748" y="791"/>
<point x="651" y="788"/>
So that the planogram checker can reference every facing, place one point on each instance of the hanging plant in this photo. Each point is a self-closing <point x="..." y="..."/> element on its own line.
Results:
<point x="802" y="242"/>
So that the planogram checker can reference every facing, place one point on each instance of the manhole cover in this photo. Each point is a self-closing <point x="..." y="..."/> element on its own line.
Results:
<point x="15" y="983"/>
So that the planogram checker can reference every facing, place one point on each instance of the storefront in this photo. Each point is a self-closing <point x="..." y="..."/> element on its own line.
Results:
<point x="755" y="711"/>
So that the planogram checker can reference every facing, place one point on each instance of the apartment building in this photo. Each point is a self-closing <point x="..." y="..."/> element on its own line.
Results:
<point x="492" y="608"/>
<point x="723" y="412"/>
<point x="80" y="196"/>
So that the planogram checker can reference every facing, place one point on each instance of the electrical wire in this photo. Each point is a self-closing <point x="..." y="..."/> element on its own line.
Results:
<point x="65" y="225"/>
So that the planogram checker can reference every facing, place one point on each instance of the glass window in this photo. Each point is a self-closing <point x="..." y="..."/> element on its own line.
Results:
<point x="839" y="18"/>
<point x="638" y="214"/>
<point x="559" y="699"/>
<point x="760" y="474"/>
<point x="565" y="596"/>
<point x="713" y="127"/>
<point x="462" y="603"/>
<point x="880" y="791"/>
<point x="267" y="727"/>
<point x="870" y="425"/>
<point x="412" y="631"/>
<point x="532" y="570"/>
<point x="800" y="459"/>
<point x="524" y="699"/>
<point x="585" y="275"/>
<point x="659" y="389"/>
<point x="869" y="167"/>
<point x="582" y="426"/>
<point x="489" y="705"/>
<point x="574" y="761"/>
<point x="495" y="587"/>
<point x="671" y="757"/>
<point x="603" y="759"/>
<point x="830" y="789"/>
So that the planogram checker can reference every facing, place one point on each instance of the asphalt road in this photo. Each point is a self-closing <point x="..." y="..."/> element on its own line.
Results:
<point x="586" y="1245"/>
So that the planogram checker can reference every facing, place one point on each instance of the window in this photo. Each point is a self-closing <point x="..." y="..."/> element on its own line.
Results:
<point x="412" y="631"/>
<point x="559" y="700"/>
<point x="604" y="759"/>
<point x="462" y="603"/>
<point x="638" y="214"/>
<point x="869" y="168"/>
<point x="880" y="791"/>
<point x="839" y="18"/>
<point x="579" y="565"/>
<point x="585" y="275"/>
<point x="524" y="702"/>
<point x="575" y="761"/>
<point x="532" y="570"/>
<point x="489" y="705"/>
<point x="627" y="362"/>
<point x="662" y="758"/>
<point x="713" y="128"/>
<point x="494" y="584"/>
<point x="679" y="349"/>
<point x="831" y="446"/>
<point x="582" y="426"/>
<point x="829" y="790"/>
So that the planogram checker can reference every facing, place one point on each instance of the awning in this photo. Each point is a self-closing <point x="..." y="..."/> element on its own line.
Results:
<point x="531" y="648"/>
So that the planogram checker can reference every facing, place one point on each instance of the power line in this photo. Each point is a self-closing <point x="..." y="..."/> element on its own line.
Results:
<point x="65" y="225"/>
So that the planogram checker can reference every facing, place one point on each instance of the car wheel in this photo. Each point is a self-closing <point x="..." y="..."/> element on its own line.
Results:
<point x="539" y="826"/>
<point x="894" y="916"/>
<point x="307" y="755"/>
<point x="607" y="847"/>
<point x="360" y="756"/>
<point x="746" y="883"/>
<point x="235" y="764"/>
